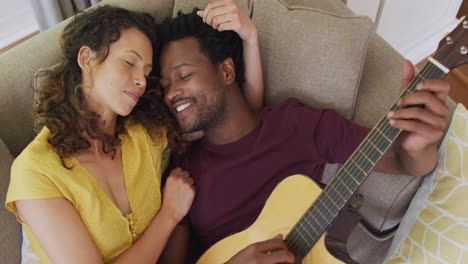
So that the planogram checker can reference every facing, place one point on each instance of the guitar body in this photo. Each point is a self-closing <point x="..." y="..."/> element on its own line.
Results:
<point x="285" y="206"/>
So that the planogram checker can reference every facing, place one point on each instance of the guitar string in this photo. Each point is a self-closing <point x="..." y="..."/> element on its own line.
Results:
<point x="370" y="143"/>
<point x="432" y="70"/>
<point x="361" y="157"/>
<point x="327" y="205"/>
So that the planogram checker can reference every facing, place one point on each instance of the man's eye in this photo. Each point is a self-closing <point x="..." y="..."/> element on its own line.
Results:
<point x="129" y="63"/>
<point x="185" y="77"/>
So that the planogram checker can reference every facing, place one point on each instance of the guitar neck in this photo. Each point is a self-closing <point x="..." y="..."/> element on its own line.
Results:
<point x="326" y="207"/>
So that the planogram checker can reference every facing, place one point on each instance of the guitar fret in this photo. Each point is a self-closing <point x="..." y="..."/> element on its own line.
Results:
<point x="320" y="213"/>
<point x="373" y="155"/>
<point x="375" y="147"/>
<point x="306" y="231"/>
<point x="315" y="220"/>
<point x="393" y="132"/>
<point x="388" y="139"/>
<point x="350" y="174"/>
<point x="301" y="248"/>
<point x="344" y="184"/>
<point x="330" y="198"/>
<point x="324" y="210"/>
<point x="298" y="246"/>
<point x="324" y="205"/>
<point x="377" y="144"/>
<point x="422" y="77"/>
<point x="333" y="187"/>
<point x="364" y="154"/>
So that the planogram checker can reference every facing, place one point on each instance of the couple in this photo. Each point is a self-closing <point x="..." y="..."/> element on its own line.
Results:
<point x="88" y="188"/>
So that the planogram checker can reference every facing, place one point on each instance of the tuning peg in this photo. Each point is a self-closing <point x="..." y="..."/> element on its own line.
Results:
<point x="463" y="50"/>
<point x="449" y="40"/>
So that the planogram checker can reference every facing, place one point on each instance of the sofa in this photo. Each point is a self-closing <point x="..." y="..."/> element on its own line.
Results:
<point x="316" y="50"/>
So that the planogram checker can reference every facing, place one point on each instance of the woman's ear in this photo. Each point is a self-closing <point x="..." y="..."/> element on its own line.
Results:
<point x="228" y="71"/>
<point x="84" y="58"/>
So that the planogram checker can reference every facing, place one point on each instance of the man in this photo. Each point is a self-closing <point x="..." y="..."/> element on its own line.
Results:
<point x="244" y="155"/>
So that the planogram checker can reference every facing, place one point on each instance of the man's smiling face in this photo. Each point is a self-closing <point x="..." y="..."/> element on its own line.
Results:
<point x="193" y="87"/>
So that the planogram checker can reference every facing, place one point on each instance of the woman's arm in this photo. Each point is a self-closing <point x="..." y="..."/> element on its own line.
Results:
<point x="59" y="230"/>
<point x="226" y="15"/>
<point x="64" y="238"/>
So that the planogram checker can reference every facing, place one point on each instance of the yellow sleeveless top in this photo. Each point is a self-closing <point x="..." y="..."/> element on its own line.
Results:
<point x="37" y="173"/>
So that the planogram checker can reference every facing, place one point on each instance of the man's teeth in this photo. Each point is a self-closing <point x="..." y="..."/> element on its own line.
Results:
<point x="181" y="108"/>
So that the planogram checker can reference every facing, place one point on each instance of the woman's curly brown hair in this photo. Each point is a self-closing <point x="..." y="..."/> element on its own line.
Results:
<point x="59" y="100"/>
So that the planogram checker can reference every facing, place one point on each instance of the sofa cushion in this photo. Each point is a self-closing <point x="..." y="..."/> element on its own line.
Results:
<point x="10" y="236"/>
<point x="311" y="54"/>
<point x="314" y="70"/>
<point x="435" y="227"/>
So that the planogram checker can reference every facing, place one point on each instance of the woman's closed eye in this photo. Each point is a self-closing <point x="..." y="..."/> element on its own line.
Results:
<point x="129" y="63"/>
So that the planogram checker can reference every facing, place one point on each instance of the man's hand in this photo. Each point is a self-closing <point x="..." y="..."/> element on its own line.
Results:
<point x="423" y="126"/>
<point x="270" y="251"/>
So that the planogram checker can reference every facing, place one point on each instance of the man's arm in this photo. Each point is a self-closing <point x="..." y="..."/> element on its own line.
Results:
<point x="177" y="247"/>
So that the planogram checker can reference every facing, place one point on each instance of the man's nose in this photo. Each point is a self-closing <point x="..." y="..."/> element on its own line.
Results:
<point x="172" y="91"/>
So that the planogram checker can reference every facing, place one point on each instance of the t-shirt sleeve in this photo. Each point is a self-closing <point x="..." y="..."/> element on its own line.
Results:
<point x="27" y="182"/>
<point x="334" y="137"/>
<point x="337" y="137"/>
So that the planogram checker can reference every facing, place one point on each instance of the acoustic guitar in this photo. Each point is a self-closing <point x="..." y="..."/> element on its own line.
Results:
<point x="301" y="211"/>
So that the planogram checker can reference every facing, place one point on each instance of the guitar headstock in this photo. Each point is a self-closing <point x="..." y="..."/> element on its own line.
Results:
<point x="453" y="49"/>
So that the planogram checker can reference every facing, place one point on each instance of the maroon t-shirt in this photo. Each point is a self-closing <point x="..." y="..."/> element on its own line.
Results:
<point x="234" y="180"/>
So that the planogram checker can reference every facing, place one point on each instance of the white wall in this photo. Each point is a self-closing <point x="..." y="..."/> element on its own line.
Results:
<point x="16" y="21"/>
<point x="413" y="27"/>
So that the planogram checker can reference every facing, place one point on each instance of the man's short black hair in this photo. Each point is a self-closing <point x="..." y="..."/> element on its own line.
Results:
<point x="218" y="46"/>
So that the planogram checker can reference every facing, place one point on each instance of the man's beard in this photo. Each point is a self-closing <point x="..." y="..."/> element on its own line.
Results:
<point x="208" y="115"/>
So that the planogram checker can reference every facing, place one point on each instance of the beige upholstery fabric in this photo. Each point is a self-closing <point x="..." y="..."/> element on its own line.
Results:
<point x="304" y="49"/>
<point x="10" y="235"/>
<point x="17" y="67"/>
<point x="303" y="71"/>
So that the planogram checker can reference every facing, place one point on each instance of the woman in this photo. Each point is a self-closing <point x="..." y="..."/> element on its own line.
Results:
<point x="87" y="189"/>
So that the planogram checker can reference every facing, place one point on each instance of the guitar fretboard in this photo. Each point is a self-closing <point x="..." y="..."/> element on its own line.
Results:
<point x="320" y="215"/>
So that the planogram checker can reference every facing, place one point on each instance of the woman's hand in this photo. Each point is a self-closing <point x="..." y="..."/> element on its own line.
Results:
<point x="178" y="195"/>
<point x="226" y="15"/>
